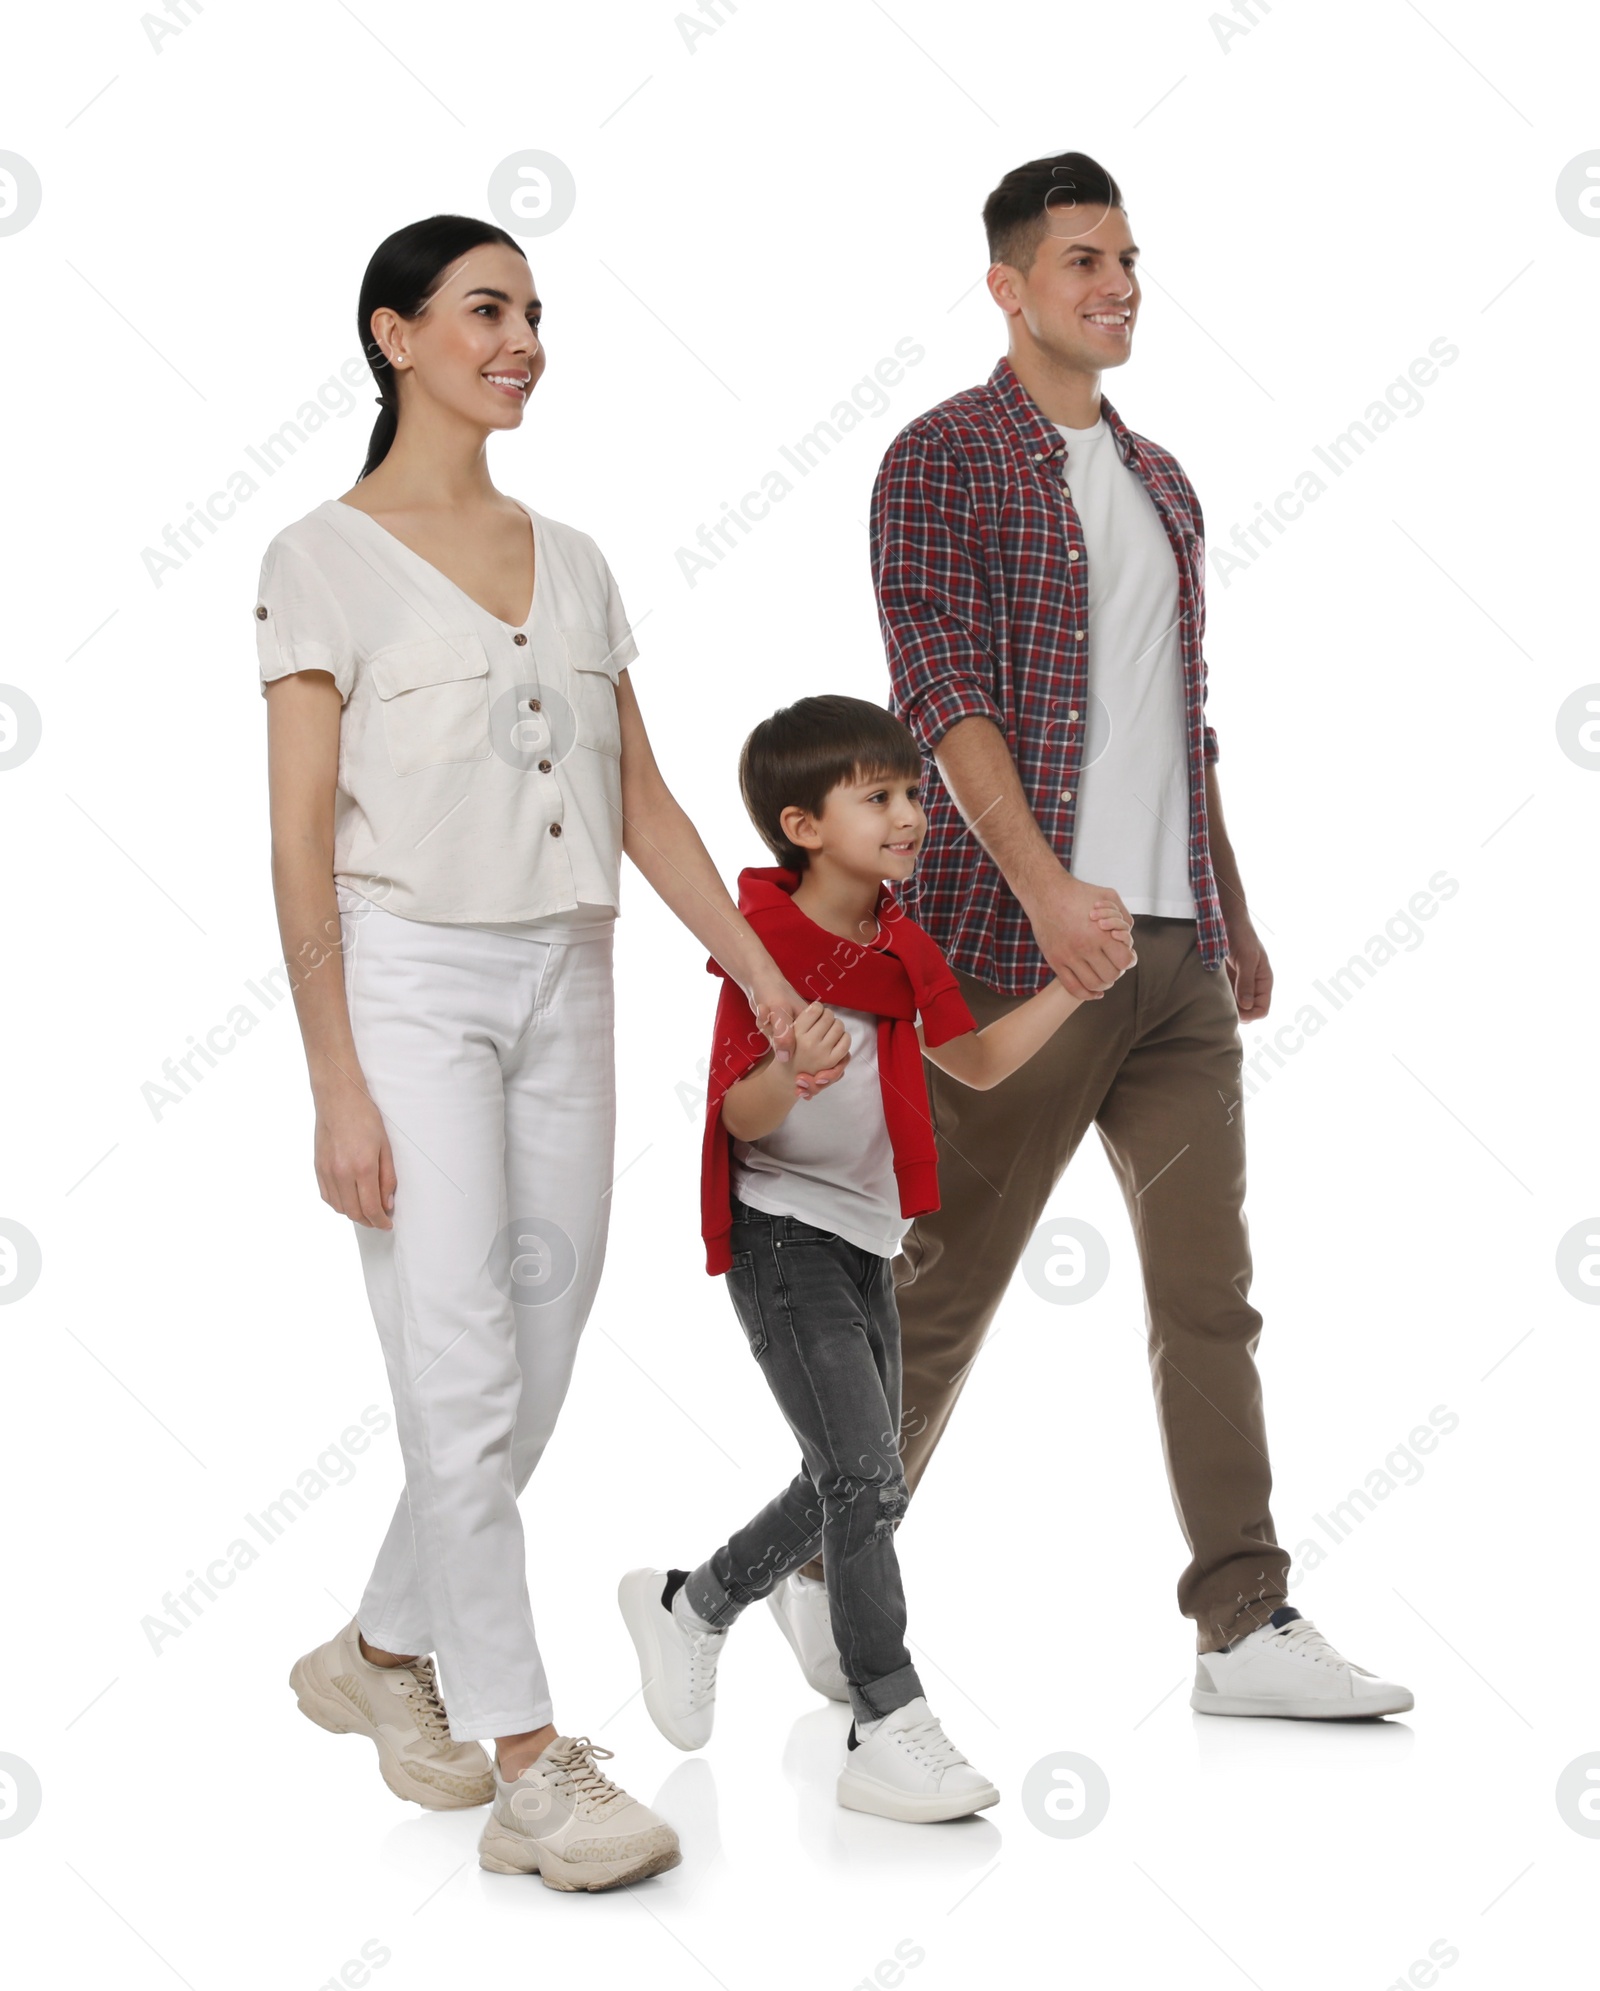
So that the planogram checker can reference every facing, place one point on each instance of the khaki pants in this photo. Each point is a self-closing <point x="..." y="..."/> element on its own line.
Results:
<point x="1155" y="1066"/>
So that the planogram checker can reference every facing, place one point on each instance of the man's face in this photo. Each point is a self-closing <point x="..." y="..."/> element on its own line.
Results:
<point x="1080" y="299"/>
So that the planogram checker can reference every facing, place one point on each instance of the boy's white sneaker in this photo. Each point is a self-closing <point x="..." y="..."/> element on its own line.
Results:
<point x="1286" y="1667"/>
<point x="398" y="1708"/>
<point x="565" y="1820"/>
<point x="800" y="1605"/>
<point x="907" y="1767"/>
<point x="677" y="1659"/>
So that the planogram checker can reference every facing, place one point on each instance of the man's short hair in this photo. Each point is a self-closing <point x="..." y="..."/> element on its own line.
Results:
<point x="1037" y="199"/>
<point x="796" y="758"/>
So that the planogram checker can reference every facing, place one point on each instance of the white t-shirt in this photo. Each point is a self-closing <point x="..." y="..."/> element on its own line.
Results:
<point x="1132" y="818"/>
<point x="479" y="773"/>
<point x="830" y="1162"/>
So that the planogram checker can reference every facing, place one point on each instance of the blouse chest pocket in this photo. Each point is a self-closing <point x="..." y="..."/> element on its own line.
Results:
<point x="594" y="689"/>
<point x="435" y="698"/>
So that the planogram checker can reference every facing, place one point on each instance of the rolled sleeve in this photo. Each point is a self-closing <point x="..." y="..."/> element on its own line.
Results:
<point x="619" y="632"/>
<point x="929" y="574"/>
<point x="299" y="623"/>
<point x="1211" y="742"/>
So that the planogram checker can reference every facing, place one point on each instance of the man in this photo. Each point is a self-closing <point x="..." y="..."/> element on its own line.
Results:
<point x="1040" y="580"/>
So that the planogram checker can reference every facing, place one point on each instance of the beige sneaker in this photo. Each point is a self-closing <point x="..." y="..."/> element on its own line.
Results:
<point x="397" y="1707"/>
<point x="565" y="1820"/>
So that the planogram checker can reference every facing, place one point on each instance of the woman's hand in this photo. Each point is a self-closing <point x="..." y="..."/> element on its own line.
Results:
<point x="776" y="1006"/>
<point x="355" y="1169"/>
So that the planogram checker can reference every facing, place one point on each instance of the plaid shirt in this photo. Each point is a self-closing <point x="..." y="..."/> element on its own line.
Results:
<point x="981" y="574"/>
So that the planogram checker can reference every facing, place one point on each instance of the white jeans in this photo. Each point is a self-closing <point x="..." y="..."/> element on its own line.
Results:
<point x="489" y="1056"/>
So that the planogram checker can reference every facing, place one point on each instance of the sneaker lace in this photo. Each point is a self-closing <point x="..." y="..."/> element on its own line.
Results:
<point x="572" y="1758"/>
<point x="704" y="1648"/>
<point x="929" y="1744"/>
<point x="422" y="1698"/>
<point x="1301" y="1638"/>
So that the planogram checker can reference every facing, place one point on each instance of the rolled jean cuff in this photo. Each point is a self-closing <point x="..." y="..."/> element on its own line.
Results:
<point x="709" y="1600"/>
<point x="881" y="1697"/>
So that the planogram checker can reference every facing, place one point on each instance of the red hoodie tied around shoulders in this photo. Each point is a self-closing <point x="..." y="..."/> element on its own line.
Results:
<point x="897" y="976"/>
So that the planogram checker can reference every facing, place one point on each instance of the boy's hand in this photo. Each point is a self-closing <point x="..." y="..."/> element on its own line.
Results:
<point x="1112" y="918"/>
<point x="821" y="1049"/>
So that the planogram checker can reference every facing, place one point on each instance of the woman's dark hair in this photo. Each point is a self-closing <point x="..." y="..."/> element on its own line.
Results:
<point x="797" y="757"/>
<point x="403" y="274"/>
<point x="1034" y="199"/>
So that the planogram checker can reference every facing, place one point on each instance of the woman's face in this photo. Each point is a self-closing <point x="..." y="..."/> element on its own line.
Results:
<point x="475" y="348"/>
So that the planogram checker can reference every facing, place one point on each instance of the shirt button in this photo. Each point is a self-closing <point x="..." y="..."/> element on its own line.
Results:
<point x="1072" y="553"/>
<point x="1073" y="714"/>
<point x="519" y="637"/>
<point x="544" y="767"/>
<point x="555" y="829"/>
<point x="261" y="614"/>
<point x="1066" y="794"/>
<point x="533" y="705"/>
<point x="1077" y="635"/>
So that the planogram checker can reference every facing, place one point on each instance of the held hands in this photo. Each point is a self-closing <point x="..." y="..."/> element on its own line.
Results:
<point x="821" y="1049"/>
<point x="778" y="1011"/>
<point x="1085" y="932"/>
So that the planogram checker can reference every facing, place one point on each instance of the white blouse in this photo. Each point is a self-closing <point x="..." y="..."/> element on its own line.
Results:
<point x="479" y="761"/>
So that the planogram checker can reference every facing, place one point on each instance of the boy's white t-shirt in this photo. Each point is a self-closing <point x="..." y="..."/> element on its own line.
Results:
<point x="830" y="1161"/>
<point x="1132" y="829"/>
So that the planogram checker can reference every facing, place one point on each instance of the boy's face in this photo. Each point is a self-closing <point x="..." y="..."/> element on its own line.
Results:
<point x="868" y="829"/>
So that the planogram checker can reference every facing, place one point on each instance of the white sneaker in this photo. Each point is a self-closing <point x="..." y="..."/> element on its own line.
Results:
<point x="908" y="1768"/>
<point x="677" y="1664"/>
<point x="565" y="1820"/>
<point x="1291" y="1669"/>
<point x="800" y="1605"/>
<point x="398" y="1708"/>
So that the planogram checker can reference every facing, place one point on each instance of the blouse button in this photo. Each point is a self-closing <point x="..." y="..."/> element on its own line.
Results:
<point x="261" y="613"/>
<point x="533" y="705"/>
<point x="544" y="767"/>
<point x="555" y="829"/>
<point x="519" y="637"/>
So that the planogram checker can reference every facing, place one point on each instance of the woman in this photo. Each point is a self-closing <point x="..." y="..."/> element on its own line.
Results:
<point x="456" y="760"/>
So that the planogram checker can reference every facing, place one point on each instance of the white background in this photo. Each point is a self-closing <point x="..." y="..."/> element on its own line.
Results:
<point x="760" y="216"/>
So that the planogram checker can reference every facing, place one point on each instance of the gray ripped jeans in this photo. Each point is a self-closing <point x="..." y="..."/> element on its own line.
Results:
<point x="821" y="1320"/>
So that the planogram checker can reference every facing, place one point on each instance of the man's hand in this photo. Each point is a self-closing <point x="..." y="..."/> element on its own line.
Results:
<point x="1086" y="953"/>
<point x="1248" y="969"/>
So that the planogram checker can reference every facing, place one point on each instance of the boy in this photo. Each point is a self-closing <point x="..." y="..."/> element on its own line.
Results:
<point x="802" y="1211"/>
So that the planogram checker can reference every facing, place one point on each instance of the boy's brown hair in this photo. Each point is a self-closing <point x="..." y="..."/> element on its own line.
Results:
<point x="795" y="759"/>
